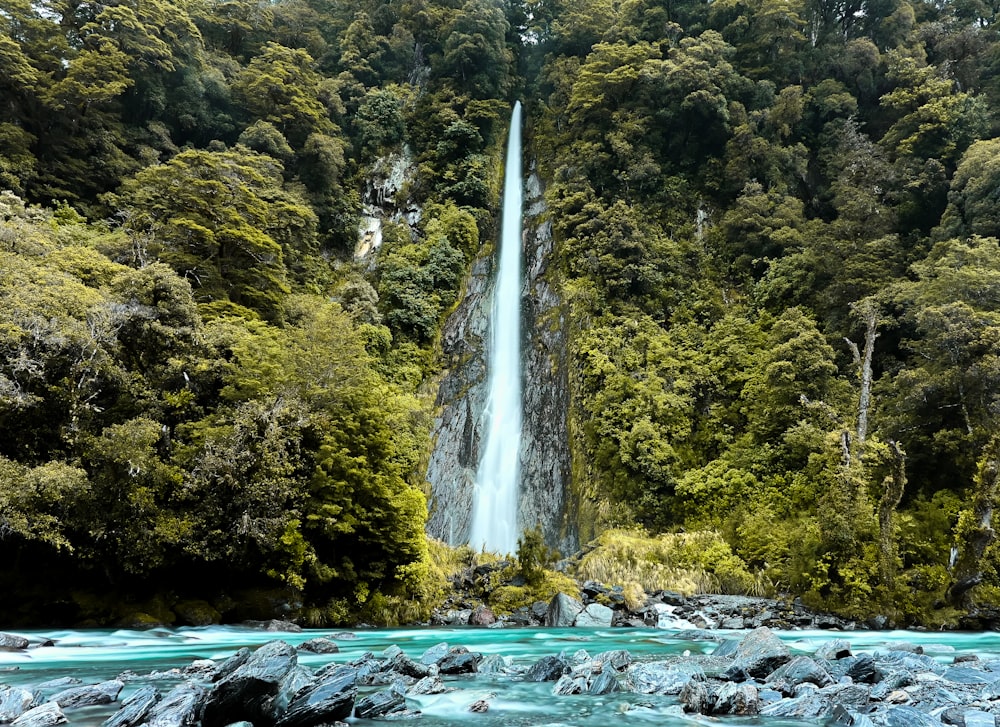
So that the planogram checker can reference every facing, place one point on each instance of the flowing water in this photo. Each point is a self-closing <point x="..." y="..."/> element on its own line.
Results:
<point x="97" y="655"/>
<point x="494" y="508"/>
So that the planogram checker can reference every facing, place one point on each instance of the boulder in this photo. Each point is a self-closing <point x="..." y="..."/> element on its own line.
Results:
<point x="864" y="670"/>
<point x="135" y="708"/>
<point x="834" y="649"/>
<point x="562" y="611"/>
<point x="381" y="703"/>
<point x="405" y="665"/>
<point x="228" y="666"/>
<point x="799" y="670"/>
<point x="737" y="699"/>
<point x="603" y="683"/>
<point x="323" y="702"/>
<point x="13" y="703"/>
<point x="428" y="685"/>
<point x="758" y="654"/>
<point x="594" y="616"/>
<point x="178" y="708"/>
<point x="274" y="625"/>
<point x="13" y="642"/>
<point x="45" y="715"/>
<point x="482" y="615"/>
<point x="694" y="697"/>
<point x="619" y="659"/>
<point x="89" y="695"/>
<point x="908" y="717"/>
<point x="546" y="669"/>
<point x="460" y="661"/>
<point x="570" y="684"/>
<point x="435" y="654"/>
<point x="248" y="692"/>
<point x="319" y="646"/>
<point x="657" y="677"/>
<point x="197" y="613"/>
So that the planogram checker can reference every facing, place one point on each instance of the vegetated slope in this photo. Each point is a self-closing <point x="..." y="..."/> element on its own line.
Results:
<point x="775" y="241"/>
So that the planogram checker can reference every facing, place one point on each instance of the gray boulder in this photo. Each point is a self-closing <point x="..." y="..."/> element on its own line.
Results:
<point x="834" y="649"/>
<point x="13" y="703"/>
<point x="799" y="670"/>
<point x="594" y="616"/>
<point x="319" y="646"/>
<point x="89" y="695"/>
<point x="482" y="615"/>
<point x="694" y="697"/>
<point x="562" y="611"/>
<point x="325" y="702"/>
<point x="135" y="708"/>
<point x="460" y="661"/>
<point x="45" y="715"/>
<point x="434" y="654"/>
<point x="758" y="654"/>
<point x="659" y="677"/>
<point x="546" y="669"/>
<point x="248" y="692"/>
<point x="13" y="642"/>
<point x="382" y="703"/>
<point x="178" y="708"/>
<point x="737" y="699"/>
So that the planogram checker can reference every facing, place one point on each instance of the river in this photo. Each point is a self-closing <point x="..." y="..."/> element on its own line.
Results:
<point x="93" y="656"/>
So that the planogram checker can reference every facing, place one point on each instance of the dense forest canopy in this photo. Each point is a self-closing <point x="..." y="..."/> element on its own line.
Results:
<point x="776" y="238"/>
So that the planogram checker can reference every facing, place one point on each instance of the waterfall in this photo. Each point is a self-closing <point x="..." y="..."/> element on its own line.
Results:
<point x="495" y="496"/>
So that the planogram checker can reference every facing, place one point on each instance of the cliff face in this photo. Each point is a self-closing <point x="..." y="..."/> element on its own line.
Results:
<point x="462" y="394"/>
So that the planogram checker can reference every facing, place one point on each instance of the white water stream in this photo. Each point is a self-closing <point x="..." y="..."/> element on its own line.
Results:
<point x="494" y="507"/>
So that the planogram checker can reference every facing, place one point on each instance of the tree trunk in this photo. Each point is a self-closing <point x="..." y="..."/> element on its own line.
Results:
<point x="977" y="535"/>
<point x="892" y="493"/>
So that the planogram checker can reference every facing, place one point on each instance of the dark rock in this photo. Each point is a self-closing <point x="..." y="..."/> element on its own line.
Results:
<point x="593" y="589"/>
<point x="479" y="706"/>
<point x="178" y="708"/>
<point x="758" y="654"/>
<point x="323" y="702"/>
<point x="248" y="692"/>
<point x="319" y="646"/>
<point x="296" y="680"/>
<point x="891" y="682"/>
<point x="197" y="613"/>
<point x="954" y="716"/>
<point x="87" y="696"/>
<point x="619" y="659"/>
<point x="13" y="703"/>
<point x="405" y="665"/>
<point x="231" y="664"/>
<point x="539" y="609"/>
<point x="13" y="641"/>
<point x="45" y="715"/>
<point x="799" y="670"/>
<point x="562" y="611"/>
<point x="546" y="669"/>
<point x="135" y="708"/>
<point x="671" y="598"/>
<point x="381" y="703"/>
<point x="459" y="662"/>
<point x="848" y="695"/>
<point x="570" y="684"/>
<point x="603" y="683"/>
<point x="863" y="669"/>
<point x="659" y="677"/>
<point x="736" y="699"/>
<point x="694" y="697"/>
<point x="482" y="615"/>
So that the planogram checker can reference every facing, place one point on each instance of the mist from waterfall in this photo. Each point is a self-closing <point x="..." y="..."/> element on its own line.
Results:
<point x="495" y="497"/>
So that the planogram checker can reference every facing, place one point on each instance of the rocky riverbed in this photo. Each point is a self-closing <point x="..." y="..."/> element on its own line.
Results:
<point x="724" y="674"/>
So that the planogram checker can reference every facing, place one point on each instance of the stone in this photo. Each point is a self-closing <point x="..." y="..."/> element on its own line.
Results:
<point x="603" y="683"/>
<point x="459" y="662"/>
<point x="807" y="706"/>
<point x="908" y="717"/>
<point x="562" y="611"/>
<point x="13" y="641"/>
<point x="482" y="615"/>
<point x="248" y="692"/>
<point x="434" y="654"/>
<point x="546" y="669"/>
<point x="326" y="701"/>
<point x="594" y="616"/>
<point x="13" y="703"/>
<point x="978" y="718"/>
<point x="658" y="677"/>
<point x="479" y="706"/>
<point x="135" y="708"/>
<point x="694" y="697"/>
<point x="570" y="684"/>
<point x="45" y="715"/>
<point x="428" y="685"/>
<point x="798" y="670"/>
<point x="178" y="708"/>
<point x="864" y="670"/>
<point x="968" y="675"/>
<point x="891" y="682"/>
<point x="228" y="666"/>
<point x="405" y="665"/>
<point x="274" y="625"/>
<point x="319" y="646"/>
<point x="89" y="695"/>
<point x="758" y="654"/>
<point x="834" y="649"/>
<point x="493" y="664"/>
<point x="736" y="699"/>
<point x="619" y="659"/>
<point x="197" y="613"/>
<point x="380" y="704"/>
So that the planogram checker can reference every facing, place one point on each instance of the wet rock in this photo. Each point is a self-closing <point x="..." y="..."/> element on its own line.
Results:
<point x="619" y="659"/>
<point x="758" y="654"/>
<point x="459" y="661"/>
<point x="326" y="701"/>
<point x="197" y="613"/>
<point x="978" y="718"/>
<point x="405" y="665"/>
<point x="863" y="669"/>
<point x="806" y="706"/>
<point x="562" y="611"/>
<point x="248" y="692"/>
<point x="482" y="615"/>
<point x="231" y="664"/>
<point x="274" y="625"/>
<point x="382" y="703"/>
<point x="603" y="683"/>
<point x="891" y="682"/>
<point x="319" y="646"/>
<point x="428" y="685"/>
<point x="434" y="654"/>
<point x="13" y="703"/>
<point x="479" y="706"/>
<point x="662" y="678"/>
<point x="834" y="649"/>
<point x="45" y="715"/>
<point x="546" y="669"/>
<point x="135" y="708"/>
<point x="493" y="664"/>
<point x="907" y="717"/>
<point x="727" y="647"/>
<point x="594" y="616"/>
<point x="799" y="670"/>
<point x="13" y="642"/>
<point x="86" y="696"/>
<point x="694" y="697"/>
<point x="570" y="684"/>
<point x="178" y="708"/>
<point x="967" y="675"/>
<point x="736" y="699"/>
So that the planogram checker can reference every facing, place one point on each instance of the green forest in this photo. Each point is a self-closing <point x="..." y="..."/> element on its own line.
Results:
<point x="776" y="235"/>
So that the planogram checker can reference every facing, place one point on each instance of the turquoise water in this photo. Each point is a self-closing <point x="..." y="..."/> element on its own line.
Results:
<point x="97" y="655"/>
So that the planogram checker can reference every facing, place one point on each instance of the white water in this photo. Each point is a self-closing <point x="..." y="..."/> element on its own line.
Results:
<point x="494" y="507"/>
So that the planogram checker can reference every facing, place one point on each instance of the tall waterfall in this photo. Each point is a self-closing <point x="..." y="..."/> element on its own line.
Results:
<point x="494" y="507"/>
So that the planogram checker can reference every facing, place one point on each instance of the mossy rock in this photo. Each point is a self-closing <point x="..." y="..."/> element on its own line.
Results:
<point x="197" y="613"/>
<point x="139" y="620"/>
